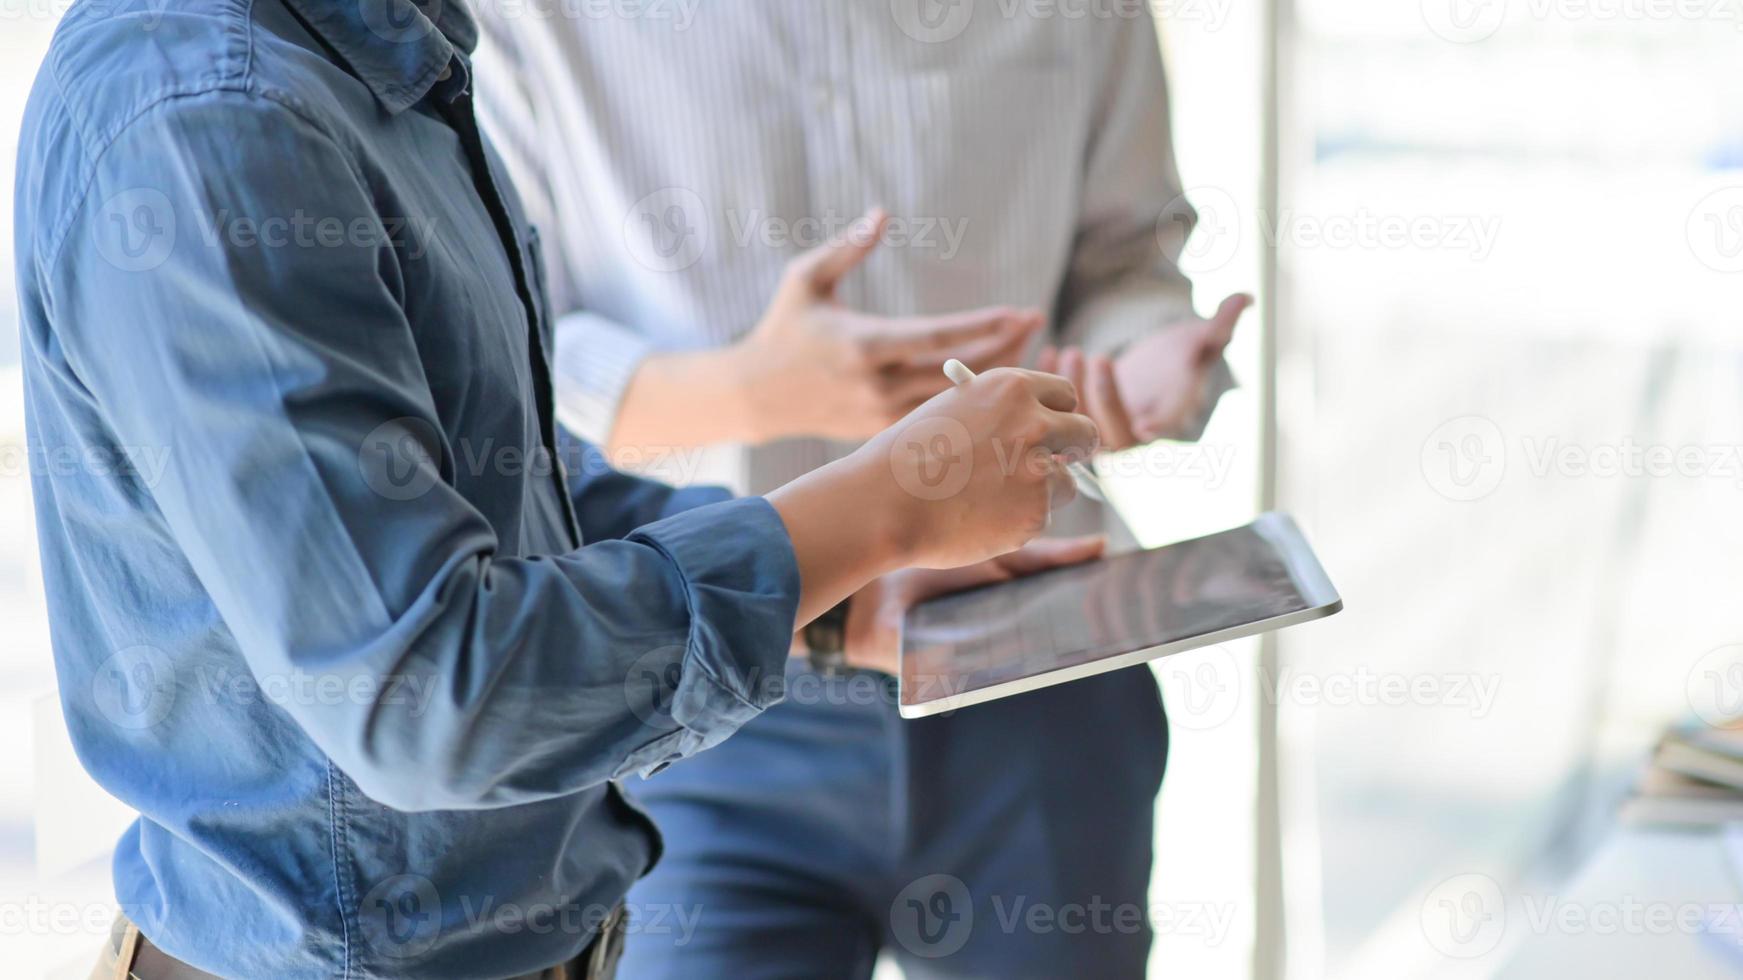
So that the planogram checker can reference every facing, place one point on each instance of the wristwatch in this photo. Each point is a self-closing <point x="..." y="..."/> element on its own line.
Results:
<point x="826" y="641"/>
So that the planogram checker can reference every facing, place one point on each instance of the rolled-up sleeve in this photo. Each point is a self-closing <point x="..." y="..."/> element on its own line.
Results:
<point x="712" y="693"/>
<point x="1124" y="282"/>
<point x="270" y="374"/>
<point x="705" y="698"/>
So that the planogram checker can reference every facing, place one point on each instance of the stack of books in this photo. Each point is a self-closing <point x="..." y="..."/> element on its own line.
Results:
<point x="1695" y="779"/>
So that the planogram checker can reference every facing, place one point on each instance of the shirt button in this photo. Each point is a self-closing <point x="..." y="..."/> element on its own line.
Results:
<point x="447" y="73"/>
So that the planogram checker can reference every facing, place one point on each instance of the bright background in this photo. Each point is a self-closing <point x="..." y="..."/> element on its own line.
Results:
<point x="1421" y="390"/>
<point x="1573" y="283"/>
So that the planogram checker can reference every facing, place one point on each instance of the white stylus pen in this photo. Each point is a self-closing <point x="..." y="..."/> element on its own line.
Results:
<point x="1087" y="484"/>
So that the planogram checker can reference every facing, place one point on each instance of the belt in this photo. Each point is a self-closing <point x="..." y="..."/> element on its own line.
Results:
<point x="130" y="956"/>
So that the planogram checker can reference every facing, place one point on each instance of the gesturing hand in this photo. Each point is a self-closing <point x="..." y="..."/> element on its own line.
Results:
<point x="874" y="619"/>
<point x="814" y="367"/>
<point x="1155" y="390"/>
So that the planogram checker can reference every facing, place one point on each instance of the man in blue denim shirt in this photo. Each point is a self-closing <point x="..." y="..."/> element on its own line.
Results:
<point x="320" y="603"/>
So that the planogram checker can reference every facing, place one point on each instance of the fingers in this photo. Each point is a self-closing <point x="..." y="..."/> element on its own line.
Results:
<point x="1050" y="390"/>
<point x="909" y="388"/>
<point x="891" y="341"/>
<point x="1074" y="436"/>
<point x="1071" y="363"/>
<point x="912" y="383"/>
<point x="1036" y="556"/>
<point x="1045" y="553"/>
<point x="1003" y="349"/>
<point x="823" y="267"/>
<point x="908" y="383"/>
<point x="1101" y="395"/>
<point x="1097" y="388"/>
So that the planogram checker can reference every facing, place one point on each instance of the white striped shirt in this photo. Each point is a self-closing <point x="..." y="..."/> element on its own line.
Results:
<point x="676" y="163"/>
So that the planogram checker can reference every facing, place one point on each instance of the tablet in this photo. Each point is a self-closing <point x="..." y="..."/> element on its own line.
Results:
<point x="1074" y="622"/>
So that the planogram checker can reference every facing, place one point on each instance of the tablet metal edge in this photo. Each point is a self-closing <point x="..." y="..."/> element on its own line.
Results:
<point x="1274" y="526"/>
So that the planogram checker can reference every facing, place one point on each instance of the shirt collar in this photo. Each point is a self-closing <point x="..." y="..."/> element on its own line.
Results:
<point x="399" y="48"/>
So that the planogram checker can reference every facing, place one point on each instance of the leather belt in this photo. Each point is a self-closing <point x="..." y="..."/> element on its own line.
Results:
<point x="130" y="956"/>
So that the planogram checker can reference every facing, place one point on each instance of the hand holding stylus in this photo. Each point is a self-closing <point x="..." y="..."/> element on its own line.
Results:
<point x="1085" y="478"/>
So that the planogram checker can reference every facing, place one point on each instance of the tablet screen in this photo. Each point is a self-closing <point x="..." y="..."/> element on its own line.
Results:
<point x="1078" y="615"/>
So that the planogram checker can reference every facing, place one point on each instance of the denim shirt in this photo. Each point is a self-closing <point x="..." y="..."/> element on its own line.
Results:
<point x="313" y="546"/>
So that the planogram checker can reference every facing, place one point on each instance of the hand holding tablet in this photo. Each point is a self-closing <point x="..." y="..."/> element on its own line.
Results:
<point x="1080" y="620"/>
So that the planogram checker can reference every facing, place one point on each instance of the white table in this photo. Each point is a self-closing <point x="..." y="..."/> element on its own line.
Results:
<point x="1636" y="874"/>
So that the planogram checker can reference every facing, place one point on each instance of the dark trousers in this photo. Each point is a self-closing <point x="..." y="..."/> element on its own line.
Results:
<point x="829" y="829"/>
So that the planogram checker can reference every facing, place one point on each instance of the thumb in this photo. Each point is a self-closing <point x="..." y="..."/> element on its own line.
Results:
<point x="824" y="266"/>
<point x="1038" y="556"/>
<point x="1220" y="328"/>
